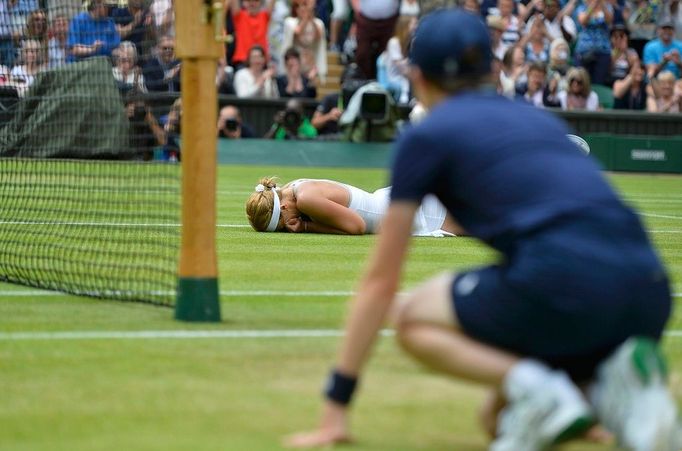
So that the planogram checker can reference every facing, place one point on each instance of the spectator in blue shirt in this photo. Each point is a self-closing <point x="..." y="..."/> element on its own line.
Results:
<point x="664" y="53"/>
<point x="92" y="33"/>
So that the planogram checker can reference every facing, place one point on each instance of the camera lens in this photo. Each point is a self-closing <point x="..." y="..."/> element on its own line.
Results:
<point x="231" y="124"/>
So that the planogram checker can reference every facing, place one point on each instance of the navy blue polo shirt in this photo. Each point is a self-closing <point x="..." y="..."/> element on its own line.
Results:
<point x="507" y="173"/>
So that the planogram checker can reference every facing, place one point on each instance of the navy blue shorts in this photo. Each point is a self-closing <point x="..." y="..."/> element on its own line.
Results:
<point x="569" y="321"/>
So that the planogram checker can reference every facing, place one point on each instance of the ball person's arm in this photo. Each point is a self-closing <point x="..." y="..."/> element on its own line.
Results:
<point x="368" y="312"/>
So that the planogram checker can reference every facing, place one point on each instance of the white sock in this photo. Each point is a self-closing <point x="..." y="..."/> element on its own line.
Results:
<point x="524" y="377"/>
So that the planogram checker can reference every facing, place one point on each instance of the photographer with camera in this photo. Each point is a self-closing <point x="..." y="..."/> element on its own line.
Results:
<point x="230" y="124"/>
<point x="145" y="132"/>
<point x="291" y="123"/>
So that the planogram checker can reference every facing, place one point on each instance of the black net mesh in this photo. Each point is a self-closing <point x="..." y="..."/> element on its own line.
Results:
<point x="89" y="194"/>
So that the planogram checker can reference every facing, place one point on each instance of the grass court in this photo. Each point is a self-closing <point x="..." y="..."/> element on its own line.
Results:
<point x="86" y="374"/>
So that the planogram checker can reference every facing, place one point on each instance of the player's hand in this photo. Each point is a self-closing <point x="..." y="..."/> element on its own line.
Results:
<point x="294" y="225"/>
<point x="333" y="430"/>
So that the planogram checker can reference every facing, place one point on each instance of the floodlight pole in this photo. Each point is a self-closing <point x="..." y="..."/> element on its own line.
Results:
<point x="199" y="26"/>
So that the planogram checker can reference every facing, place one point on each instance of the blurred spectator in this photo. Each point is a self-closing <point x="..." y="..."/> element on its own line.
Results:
<point x="7" y="50"/>
<point x="256" y="79"/>
<point x="339" y="15"/>
<point x="512" y="24"/>
<point x="559" y="56"/>
<point x="641" y="22"/>
<point x="225" y="78"/>
<point x="496" y="28"/>
<point x="392" y="64"/>
<point x="533" y="90"/>
<point x="535" y="43"/>
<point x="623" y="57"/>
<point x="18" y="12"/>
<point x="231" y="125"/>
<point x="293" y="83"/>
<point x="557" y="23"/>
<point x="513" y="71"/>
<point x="291" y="123"/>
<point x="579" y="94"/>
<point x="132" y="23"/>
<point x="375" y="23"/>
<point x="663" y="53"/>
<point x="593" y="45"/>
<point x="250" y="27"/>
<point x="36" y="28"/>
<point x="126" y="71"/>
<point x="280" y="12"/>
<point x="163" y="18"/>
<point x="31" y="62"/>
<point x="307" y="33"/>
<point x="629" y="92"/>
<point x="326" y="116"/>
<point x="172" y="131"/>
<point x="145" y="132"/>
<point x="675" y="13"/>
<point x="473" y="6"/>
<point x="162" y="71"/>
<point x="92" y="33"/>
<point x="57" y="47"/>
<point x="66" y="8"/>
<point x="410" y="8"/>
<point x="666" y="98"/>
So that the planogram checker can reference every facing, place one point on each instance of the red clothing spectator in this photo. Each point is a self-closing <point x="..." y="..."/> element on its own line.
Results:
<point x="250" y="27"/>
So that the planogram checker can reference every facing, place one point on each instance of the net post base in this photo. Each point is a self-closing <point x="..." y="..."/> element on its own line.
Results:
<point x="197" y="299"/>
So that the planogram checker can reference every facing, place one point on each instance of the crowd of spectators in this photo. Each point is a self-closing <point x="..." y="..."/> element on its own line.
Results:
<point x="568" y="54"/>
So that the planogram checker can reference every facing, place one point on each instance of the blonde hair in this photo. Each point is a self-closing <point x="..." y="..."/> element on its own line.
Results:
<point x="580" y="73"/>
<point x="259" y="205"/>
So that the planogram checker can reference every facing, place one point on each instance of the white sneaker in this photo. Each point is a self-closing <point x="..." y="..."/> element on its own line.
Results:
<point x="552" y="412"/>
<point x="632" y="400"/>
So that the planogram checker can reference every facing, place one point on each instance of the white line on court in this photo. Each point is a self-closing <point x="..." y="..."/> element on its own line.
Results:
<point x="194" y="334"/>
<point x="655" y="215"/>
<point x="226" y="293"/>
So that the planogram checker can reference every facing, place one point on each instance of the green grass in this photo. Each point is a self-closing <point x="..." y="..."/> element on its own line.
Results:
<point x="246" y="393"/>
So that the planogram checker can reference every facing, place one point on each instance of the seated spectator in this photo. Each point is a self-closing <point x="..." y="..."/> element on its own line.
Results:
<point x="536" y="43"/>
<point x="36" y="29"/>
<point x="291" y="123"/>
<point x="162" y="70"/>
<point x="126" y="71"/>
<point x="579" y="94"/>
<point x="558" y="24"/>
<point x="535" y="90"/>
<point x="666" y="98"/>
<point x="145" y="132"/>
<point x="393" y="62"/>
<point x="172" y="130"/>
<point x="57" y="47"/>
<point x="31" y="63"/>
<point x="663" y="53"/>
<point x="294" y="83"/>
<point x="513" y="71"/>
<point x="256" y="80"/>
<point x="629" y="92"/>
<point x="92" y="33"/>
<point x="250" y="27"/>
<point x="230" y="124"/>
<point x="17" y="12"/>
<point x="307" y="34"/>
<point x="559" y="57"/>
<point x="593" y="46"/>
<point x="132" y="22"/>
<point x="623" y="57"/>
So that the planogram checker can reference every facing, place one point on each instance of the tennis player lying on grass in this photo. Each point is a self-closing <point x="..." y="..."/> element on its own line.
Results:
<point x="326" y="206"/>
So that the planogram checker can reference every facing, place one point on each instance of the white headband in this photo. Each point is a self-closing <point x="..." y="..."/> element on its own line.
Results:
<point x="274" y="219"/>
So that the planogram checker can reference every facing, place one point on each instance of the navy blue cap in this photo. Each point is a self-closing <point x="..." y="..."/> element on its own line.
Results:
<point x="451" y="42"/>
